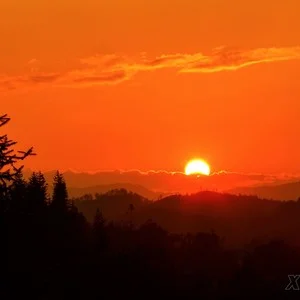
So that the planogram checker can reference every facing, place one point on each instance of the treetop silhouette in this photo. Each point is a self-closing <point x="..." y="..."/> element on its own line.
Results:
<point x="60" y="200"/>
<point x="9" y="158"/>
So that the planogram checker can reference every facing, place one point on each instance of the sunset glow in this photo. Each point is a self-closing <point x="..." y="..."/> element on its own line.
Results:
<point x="150" y="148"/>
<point x="197" y="166"/>
<point x="127" y="74"/>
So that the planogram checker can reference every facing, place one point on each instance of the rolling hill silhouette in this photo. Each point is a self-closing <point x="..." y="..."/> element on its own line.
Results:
<point x="153" y="186"/>
<point x="101" y="189"/>
<point x="238" y="218"/>
<point x="287" y="191"/>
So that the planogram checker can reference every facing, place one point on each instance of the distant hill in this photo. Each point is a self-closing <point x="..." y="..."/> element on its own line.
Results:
<point x="80" y="184"/>
<point x="114" y="204"/>
<point x="101" y="189"/>
<point x="238" y="218"/>
<point x="287" y="191"/>
<point x="153" y="184"/>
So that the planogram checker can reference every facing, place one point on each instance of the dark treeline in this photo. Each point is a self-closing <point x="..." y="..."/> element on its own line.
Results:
<point x="238" y="219"/>
<point x="131" y="248"/>
<point x="52" y="252"/>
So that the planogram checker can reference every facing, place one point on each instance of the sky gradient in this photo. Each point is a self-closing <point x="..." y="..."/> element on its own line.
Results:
<point x="148" y="85"/>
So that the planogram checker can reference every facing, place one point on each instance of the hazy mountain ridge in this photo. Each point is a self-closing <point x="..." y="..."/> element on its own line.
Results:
<point x="286" y="191"/>
<point x="239" y="218"/>
<point x="153" y="185"/>
<point x="101" y="189"/>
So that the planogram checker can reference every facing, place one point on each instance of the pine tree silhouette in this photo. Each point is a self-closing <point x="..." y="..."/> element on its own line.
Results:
<point x="60" y="201"/>
<point x="37" y="192"/>
<point x="18" y="194"/>
<point x="9" y="159"/>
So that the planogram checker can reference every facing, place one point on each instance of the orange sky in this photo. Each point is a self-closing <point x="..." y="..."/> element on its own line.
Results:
<point x="131" y="84"/>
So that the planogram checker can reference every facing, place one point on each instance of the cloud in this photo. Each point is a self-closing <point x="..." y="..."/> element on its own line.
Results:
<point x="224" y="59"/>
<point x="172" y="182"/>
<point x="43" y="78"/>
<point x="112" y="69"/>
<point x="14" y="82"/>
<point x="109" y="77"/>
<point x="221" y="59"/>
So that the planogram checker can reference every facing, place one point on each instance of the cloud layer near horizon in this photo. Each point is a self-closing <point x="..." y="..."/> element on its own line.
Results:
<point x="113" y="69"/>
<point x="171" y="182"/>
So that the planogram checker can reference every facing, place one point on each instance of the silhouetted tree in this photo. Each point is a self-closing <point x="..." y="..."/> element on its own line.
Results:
<point x="60" y="194"/>
<point x="87" y="197"/>
<point x="73" y="207"/>
<point x="99" y="231"/>
<point x="18" y="193"/>
<point x="9" y="159"/>
<point x="37" y="192"/>
<point x="130" y="211"/>
<point x="98" y="220"/>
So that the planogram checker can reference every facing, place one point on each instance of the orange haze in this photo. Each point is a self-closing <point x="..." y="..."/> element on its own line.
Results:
<point x="130" y="84"/>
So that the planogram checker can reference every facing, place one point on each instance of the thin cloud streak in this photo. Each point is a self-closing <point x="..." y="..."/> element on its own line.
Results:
<point x="231" y="60"/>
<point x="113" y="69"/>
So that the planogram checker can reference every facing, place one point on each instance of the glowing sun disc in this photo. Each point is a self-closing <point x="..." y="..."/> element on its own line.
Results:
<point x="197" y="166"/>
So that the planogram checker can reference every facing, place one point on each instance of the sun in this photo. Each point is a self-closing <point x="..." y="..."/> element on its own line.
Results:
<point x="197" y="166"/>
